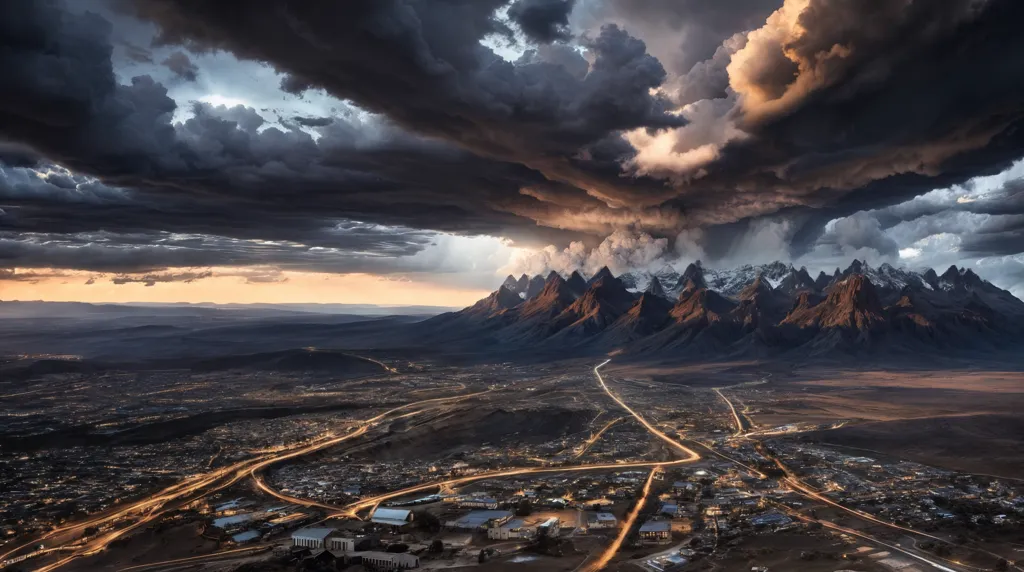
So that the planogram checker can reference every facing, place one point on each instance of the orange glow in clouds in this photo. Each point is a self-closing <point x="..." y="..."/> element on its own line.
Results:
<point x="224" y="288"/>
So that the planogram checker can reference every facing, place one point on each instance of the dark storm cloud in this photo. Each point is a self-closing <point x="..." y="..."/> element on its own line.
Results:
<point x="543" y="21"/>
<point x="223" y="160"/>
<point x="848" y="105"/>
<point x="681" y="33"/>
<point x="422" y="66"/>
<point x="180" y="64"/>
<point x="313" y="121"/>
<point x="137" y="54"/>
<point x="894" y="99"/>
<point x="153" y="279"/>
<point x="22" y="275"/>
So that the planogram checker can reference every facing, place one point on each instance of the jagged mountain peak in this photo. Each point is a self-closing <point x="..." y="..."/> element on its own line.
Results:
<point x="694" y="273"/>
<point x="858" y="289"/>
<point x="501" y="299"/>
<point x="665" y="269"/>
<point x="577" y="283"/>
<point x="887" y="306"/>
<point x="534" y="286"/>
<point x="522" y="284"/>
<point x="655" y="288"/>
<point x="604" y="272"/>
<point x="759" y="287"/>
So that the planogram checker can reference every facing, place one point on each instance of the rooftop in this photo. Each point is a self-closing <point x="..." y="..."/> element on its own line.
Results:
<point x="314" y="533"/>
<point x="656" y="526"/>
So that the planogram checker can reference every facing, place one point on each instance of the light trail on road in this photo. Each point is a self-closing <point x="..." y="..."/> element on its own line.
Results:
<point x="192" y="559"/>
<point x="353" y="509"/>
<point x="594" y="438"/>
<point x="800" y="487"/>
<point x="613" y="548"/>
<point x="154" y="506"/>
<point x="692" y="455"/>
<point x="732" y="408"/>
<point x="861" y="535"/>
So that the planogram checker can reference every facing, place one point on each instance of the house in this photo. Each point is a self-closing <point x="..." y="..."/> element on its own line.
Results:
<point x="602" y="520"/>
<point x="512" y="529"/>
<point x="312" y="538"/>
<point x="656" y="532"/>
<point x="478" y="502"/>
<point x="480" y="519"/>
<point x="671" y="510"/>
<point x="384" y="561"/>
<point x="394" y="517"/>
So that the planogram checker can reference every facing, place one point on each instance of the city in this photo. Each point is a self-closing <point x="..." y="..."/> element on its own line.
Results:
<point x="478" y="470"/>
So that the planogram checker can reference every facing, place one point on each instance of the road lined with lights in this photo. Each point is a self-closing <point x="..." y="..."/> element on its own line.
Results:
<point x="732" y="408"/>
<point x="690" y="453"/>
<point x="613" y="548"/>
<point x="194" y="488"/>
<point x="596" y="436"/>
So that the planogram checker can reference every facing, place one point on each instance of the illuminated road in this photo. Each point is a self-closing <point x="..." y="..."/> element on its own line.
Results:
<point x="735" y="415"/>
<point x="596" y="436"/>
<point x="197" y="559"/>
<point x="353" y="509"/>
<point x="613" y="548"/>
<point x="871" y="539"/>
<point x="798" y="486"/>
<point x="197" y="487"/>
<point x="690" y="453"/>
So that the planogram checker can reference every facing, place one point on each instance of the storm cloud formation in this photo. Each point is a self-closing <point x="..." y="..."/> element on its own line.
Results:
<point x="652" y="130"/>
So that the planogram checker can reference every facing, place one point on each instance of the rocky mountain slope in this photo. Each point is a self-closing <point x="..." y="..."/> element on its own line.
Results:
<point x="751" y="310"/>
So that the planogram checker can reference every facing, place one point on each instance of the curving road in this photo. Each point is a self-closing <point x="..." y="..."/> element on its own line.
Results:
<point x="197" y="487"/>
<point x="690" y="453"/>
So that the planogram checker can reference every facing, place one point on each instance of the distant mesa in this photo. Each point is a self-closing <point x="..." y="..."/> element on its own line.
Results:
<point x="763" y="310"/>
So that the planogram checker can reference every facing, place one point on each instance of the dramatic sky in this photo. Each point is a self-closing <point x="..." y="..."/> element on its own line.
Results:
<point x="416" y="151"/>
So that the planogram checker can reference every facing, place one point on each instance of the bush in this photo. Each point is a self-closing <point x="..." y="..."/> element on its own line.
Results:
<point x="524" y="508"/>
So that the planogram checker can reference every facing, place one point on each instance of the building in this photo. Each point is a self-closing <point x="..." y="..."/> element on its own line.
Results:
<point x="671" y="510"/>
<point x="480" y="519"/>
<point x="312" y="538"/>
<point x="512" y="529"/>
<point x="549" y="527"/>
<point x="683" y="487"/>
<point x="478" y="502"/>
<point x="770" y="519"/>
<point x="656" y="532"/>
<point x="394" y="517"/>
<point x="602" y="520"/>
<point x="340" y="544"/>
<point x="385" y="561"/>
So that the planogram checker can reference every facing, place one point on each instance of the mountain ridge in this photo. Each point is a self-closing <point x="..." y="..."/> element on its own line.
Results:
<point x="749" y="310"/>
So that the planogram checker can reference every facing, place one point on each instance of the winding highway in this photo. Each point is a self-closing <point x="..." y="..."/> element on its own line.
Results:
<point x="691" y="455"/>
<point x="194" y="488"/>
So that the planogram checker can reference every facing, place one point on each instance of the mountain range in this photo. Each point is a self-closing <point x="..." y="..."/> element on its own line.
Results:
<point x="752" y="311"/>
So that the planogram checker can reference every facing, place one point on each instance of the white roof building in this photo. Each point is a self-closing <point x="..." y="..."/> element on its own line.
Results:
<point x="392" y="516"/>
<point x="311" y="537"/>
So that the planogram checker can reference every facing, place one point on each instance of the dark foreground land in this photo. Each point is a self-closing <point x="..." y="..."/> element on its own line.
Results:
<point x="212" y="437"/>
